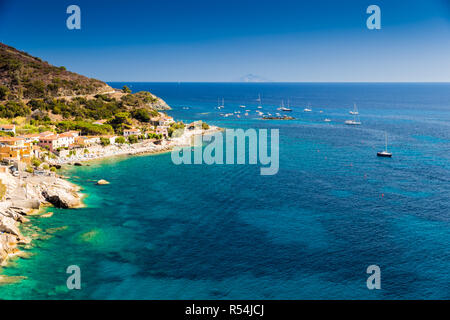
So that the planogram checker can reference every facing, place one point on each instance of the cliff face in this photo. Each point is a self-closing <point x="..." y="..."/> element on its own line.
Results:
<point x="23" y="76"/>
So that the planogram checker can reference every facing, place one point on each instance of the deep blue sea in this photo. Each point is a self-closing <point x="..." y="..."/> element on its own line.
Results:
<point x="162" y="231"/>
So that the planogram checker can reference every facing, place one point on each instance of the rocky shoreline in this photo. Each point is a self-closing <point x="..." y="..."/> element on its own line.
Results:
<point x="28" y="193"/>
<point x="23" y="197"/>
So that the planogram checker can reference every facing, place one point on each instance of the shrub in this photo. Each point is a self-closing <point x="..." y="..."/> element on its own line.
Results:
<point x="104" y="141"/>
<point x="120" y="140"/>
<point x="36" y="162"/>
<point x="132" y="139"/>
<point x="205" y="126"/>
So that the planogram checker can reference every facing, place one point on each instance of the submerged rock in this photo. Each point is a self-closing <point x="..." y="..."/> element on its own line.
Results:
<point x="47" y="215"/>
<point x="10" y="279"/>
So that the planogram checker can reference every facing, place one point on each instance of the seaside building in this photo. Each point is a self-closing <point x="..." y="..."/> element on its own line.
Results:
<point x="66" y="139"/>
<point x="162" y="120"/>
<point x="8" y="128"/>
<point x="50" y="142"/>
<point x="162" y="130"/>
<point x="30" y="138"/>
<point x="46" y="134"/>
<point x="54" y="141"/>
<point x="15" y="150"/>
<point x="131" y="132"/>
<point x="166" y="121"/>
<point x="86" y="141"/>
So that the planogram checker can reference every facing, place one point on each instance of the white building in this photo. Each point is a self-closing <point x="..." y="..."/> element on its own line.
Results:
<point x="8" y="128"/>
<point x="131" y="132"/>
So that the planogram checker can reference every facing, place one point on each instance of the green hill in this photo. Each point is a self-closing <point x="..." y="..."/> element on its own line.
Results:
<point x="23" y="76"/>
<point x="45" y="94"/>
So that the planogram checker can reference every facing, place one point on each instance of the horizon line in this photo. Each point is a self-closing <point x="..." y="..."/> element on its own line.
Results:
<point x="270" y="82"/>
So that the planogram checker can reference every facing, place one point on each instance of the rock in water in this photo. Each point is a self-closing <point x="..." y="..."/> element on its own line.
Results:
<point x="61" y="199"/>
<point x="102" y="181"/>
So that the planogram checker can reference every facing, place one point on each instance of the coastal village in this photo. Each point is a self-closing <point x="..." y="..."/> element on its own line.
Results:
<point x="18" y="150"/>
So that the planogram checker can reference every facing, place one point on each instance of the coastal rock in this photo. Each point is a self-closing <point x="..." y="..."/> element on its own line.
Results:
<point x="160" y="104"/>
<point x="15" y="213"/>
<point x="27" y="203"/>
<point x="7" y="245"/>
<point x="61" y="198"/>
<point x="9" y="225"/>
<point x="102" y="181"/>
<point x="47" y="215"/>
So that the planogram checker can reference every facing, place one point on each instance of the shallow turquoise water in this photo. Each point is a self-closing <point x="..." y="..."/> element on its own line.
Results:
<point x="161" y="231"/>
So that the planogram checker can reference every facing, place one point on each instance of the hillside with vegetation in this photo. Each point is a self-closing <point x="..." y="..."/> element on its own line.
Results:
<point x="42" y="96"/>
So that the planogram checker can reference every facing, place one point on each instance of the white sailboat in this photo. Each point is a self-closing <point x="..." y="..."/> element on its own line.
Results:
<point x="220" y="106"/>
<point x="259" y="100"/>
<point x="355" y="121"/>
<point x="385" y="152"/>
<point x="355" y="110"/>
<point x="283" y="108"/>
<point x="307" y="109"/>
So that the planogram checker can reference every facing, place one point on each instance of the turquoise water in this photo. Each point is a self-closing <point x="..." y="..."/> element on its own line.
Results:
<point x="161" y="231"/>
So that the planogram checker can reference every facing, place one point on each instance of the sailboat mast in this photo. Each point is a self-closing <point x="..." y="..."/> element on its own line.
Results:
<point x="385" y="136"/>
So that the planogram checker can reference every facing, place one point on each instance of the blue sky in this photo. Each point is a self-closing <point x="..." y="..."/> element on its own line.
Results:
<point x="199" y="40"/>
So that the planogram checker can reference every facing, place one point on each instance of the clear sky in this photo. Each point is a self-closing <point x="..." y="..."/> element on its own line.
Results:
<point x="222" y="40"/>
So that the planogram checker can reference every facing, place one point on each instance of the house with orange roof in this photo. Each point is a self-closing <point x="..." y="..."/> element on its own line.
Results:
<point x="162" y="130"/>
<point x="50" y="142"/>
<point x="8" y="128"/>
<point x="32" y="137"/>
<point x="131" y="132"/>
<point x="15" y="150"/>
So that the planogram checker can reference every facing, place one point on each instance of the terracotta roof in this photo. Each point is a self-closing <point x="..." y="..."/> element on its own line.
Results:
<point x="7" y="126"/>
<point x="46" y="133"/>
<point x="30" y="135"/>
<point x="66" y="134"/>
<point x="52" y="137"/>
<point x="11" y="139"/>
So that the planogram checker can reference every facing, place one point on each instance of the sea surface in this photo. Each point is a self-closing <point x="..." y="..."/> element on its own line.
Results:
<point x="166" y="231"/>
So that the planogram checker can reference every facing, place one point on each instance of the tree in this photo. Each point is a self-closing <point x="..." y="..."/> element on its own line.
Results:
<point x="125" y="89"/>
<point x="104" y="141"/>
<point x="141" y="115"/>
<point x="120" y="140"/>
<point x="132" y="139"/>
